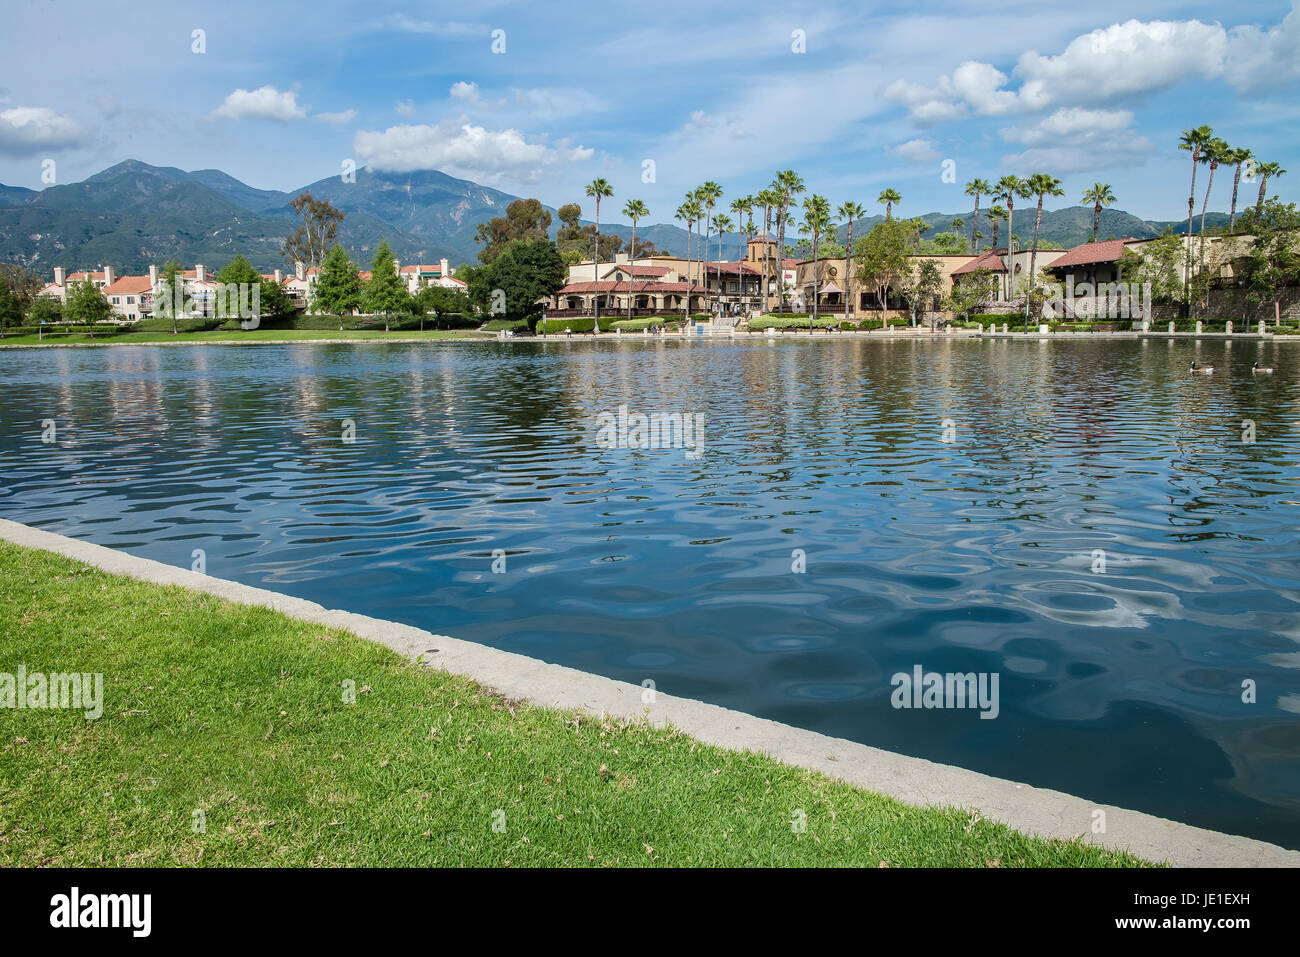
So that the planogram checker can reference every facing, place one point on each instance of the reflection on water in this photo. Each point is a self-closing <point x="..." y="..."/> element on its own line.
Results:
<point x="971" y="555"/>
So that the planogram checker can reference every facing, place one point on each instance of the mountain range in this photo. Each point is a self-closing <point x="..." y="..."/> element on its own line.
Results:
<point x="134" y="214"/>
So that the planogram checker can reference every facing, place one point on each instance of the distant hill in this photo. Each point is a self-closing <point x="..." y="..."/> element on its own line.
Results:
<point x="134" y="214"/>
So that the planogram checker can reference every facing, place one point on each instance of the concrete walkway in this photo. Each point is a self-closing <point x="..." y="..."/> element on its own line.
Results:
<point x="911" y="780"/>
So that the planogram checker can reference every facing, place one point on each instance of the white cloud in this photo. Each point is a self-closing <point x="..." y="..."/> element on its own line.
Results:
<point x="468" y="92"/>
<point x="25" y="130"/>
<point x="405" y="108"/>
<point x="722" y="126"/>
<point x="344" y="116"/>
<point x="266" y="102"/>
<point x="916" y="151"/>
<point x="1075" y="139"/>
<point x="464" y="149"/>
<point x="449" y="28"/>
<point x="1121" y="61"/>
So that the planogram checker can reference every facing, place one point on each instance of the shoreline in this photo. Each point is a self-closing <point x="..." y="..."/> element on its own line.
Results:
<point x="1032" y="811"/>
<point x="800" y="335"/>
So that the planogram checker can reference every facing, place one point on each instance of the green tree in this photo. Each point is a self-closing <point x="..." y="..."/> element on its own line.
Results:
<point x="1193" y="141"/>
<point x="977" y="188"/>
<point x="1265" y="172"/>
<point x="997" y="214"/>
<point x="86" y="303"/>
<point x="525" y="219"/>
<point x="1273" y="262"/>
<point x="1099" y="195"/>
<point x="1157" y="264"/>
<point x="526" y="275"/>
<point x="849" y="211"/>
<point x="972" y="292"/>
<point x="1238" y="157"/>
<point x="787" y="185"/>
<point x="1213" y="153"/>
<point x="817" y="221"/>
<point x="384" y="294"/>
<point x="634" y="210"/>
<point x="708" y="196"/>
<point x="338" y="287"/>
<point x="1040" y="185"/>
<point x="440" y="301"/>
<point x="926" y="287"/>
<point x="887" y="198"/>
<point x="598" y="189"/>
<point x="881" y="259"/>
<point x="11" y="311"/>
<point x="45" y="309"/>
<point x="320" y="223"/>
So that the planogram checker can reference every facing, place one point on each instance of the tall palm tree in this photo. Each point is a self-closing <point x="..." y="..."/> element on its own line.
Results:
<point x="696" y="211"/>
<point x="721" y="223"/>
<point x="1239" y="156"/>
<point x="788" y="184"/>
<point x="996" y="213"/>
<point x="1215" y="152"/>
<point x="1194" y="141"/>
<point x="977" y="188"/>
<point x="817" y="219"/>
<point x="889" y="197"/>
<point x="634" y="210"/>
<point x="1009" y="187"/>
<point x="768" y="198"/>
<point x="1099" y="195"/>
<point x="598" y="189"/>
<point x="849" y="211"/>
<point x="685" y="214"/>
<point x="743" y="207"/>
<point x="957" y="223"/>
<point x="708" y="195"/>
<point x="1265" y="171"/>
<point x="1040" y="185"/>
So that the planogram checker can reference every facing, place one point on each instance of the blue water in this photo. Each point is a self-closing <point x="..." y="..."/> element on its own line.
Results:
<point x="972" y="555"/>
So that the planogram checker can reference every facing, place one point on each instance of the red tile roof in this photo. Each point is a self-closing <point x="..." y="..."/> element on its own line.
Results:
<point x="129" y="286"/>
<point x="580" y="287"/>
<point x="1108" y="251"/>
<point x="640" y="270"/>
<point x="990" y="259"/>
<point x="728" y="269"/>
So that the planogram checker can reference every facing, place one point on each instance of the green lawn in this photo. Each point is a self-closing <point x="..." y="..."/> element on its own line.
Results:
<point x="240" y="713"/>
<point x="253" y="335"/>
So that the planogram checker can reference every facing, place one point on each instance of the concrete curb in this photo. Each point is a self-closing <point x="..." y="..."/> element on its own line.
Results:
<point x="911" y="780"/>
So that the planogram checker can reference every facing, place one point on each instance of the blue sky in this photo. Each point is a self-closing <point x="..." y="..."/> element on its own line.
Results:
<point x="285" y="93"/>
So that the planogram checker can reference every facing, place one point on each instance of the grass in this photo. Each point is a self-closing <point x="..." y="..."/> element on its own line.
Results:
<point x="239" y="335"/>
<point x="239" y="713"/>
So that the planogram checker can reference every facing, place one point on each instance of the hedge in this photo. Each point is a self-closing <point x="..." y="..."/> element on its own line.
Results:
<point x="790" y="322"/>
<point x="636" y="325"/>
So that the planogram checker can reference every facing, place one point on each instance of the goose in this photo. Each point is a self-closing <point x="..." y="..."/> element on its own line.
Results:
<point x="1258" y="369"/>
<point x="1206" y="369"/>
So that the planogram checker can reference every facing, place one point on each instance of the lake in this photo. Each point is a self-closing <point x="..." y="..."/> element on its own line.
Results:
<point x="1084" y="520"/>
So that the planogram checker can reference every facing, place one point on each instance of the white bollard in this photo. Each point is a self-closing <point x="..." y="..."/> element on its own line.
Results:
<point x="1227" y="327"/>
<point x="1198" y="327"/>
<point x="1171" y="327"/>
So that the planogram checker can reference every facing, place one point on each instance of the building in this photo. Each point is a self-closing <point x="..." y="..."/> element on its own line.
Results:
<point x="1009" y="268"/>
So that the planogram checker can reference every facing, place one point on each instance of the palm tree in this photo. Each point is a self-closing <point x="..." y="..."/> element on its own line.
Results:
<point x="708" y="195"/>
<point x="889" y="197"/>
<point x="1265" y="171"/>
<point x="769" y="199"/>
<point x="743" y="207"/>
<point x="597" y="189"/>
<point x="1194" y="141"/>
<point x="721" y="223"/>
<point x="788" y="184"/>
<point x="817" y="220"/>
<point x="696" y="211"/>
<point x="977" y="188"/>
<point x="1239" y="156"/>
<point x="634" y="210"/>
<point x="1009" y="187"/>
<point x="1040" y="185"/>
<point x="957" y="224"/>
<point x="1099" y="195"/>
<point x="1215" y="152"/>
<point x="685" y="214"/>
<point x="996" y="213"/>
<point x="850" y="211"/>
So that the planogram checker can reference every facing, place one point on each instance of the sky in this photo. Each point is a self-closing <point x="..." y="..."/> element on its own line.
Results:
<point x="538" y="98"/>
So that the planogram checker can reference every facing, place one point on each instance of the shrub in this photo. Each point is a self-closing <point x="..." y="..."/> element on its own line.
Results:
<point x="790" y="322"/>
<point x="579" y="324"/>
<point x="636" y="325"/>
<point x="495" y="325"/>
